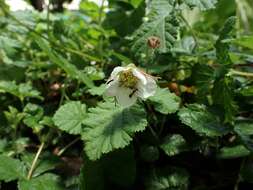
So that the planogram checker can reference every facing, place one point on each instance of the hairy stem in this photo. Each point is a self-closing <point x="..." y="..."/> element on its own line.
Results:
<point x="153" y="133"/>
<point x="35" y="161"/>
<point x="67" y="146"/>
<point x="240" y="73"/>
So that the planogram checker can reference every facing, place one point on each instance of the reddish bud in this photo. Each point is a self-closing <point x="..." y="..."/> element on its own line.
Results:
<point x="153" y="42"/>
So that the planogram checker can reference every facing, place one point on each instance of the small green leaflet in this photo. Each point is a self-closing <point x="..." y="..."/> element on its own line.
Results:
<point x="223" y="95"/>
<point x="169" y="178"/>
<point x="202" y="121"/>
<point x="247" y="91"/>
<point x="97" y="90"/>
<point x="136" y="3"/>
<point x="13" y="116"/>
<point x="222" y="48"/>
<point x="165" y="102"/>
<point x="173" y="145"/>
<point x="162" y="23"/>
<point x="70" y="117"/>
<point x="22" y="90"/>
<point x="204" y="77"/>
<point x="244" y="41"/>
<point x="43" y="165"/>
<point x="33" y="114"/>
<point x="45" y="182"/>
<point x="244" y="126"/>
<point x="3" y="145"/>
<point x="11" y="169"/>
<point x="110" y="127"/>
<point x="244" y="129"/>
<point x="233" y="152"/>
<point x="203" y="5"/>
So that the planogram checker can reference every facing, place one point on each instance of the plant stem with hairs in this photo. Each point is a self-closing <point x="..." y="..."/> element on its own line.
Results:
<point x="29" y="176"/>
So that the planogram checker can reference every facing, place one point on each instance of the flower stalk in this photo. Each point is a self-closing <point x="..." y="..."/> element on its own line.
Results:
<point x="30" y="173"/>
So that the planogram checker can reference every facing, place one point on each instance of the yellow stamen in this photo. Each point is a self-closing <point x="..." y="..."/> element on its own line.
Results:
<point x="127" y="79"/>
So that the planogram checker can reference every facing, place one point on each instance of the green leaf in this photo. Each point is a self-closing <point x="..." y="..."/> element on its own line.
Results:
<point x="136" y="3"/>
<point x="204" y="77"/>
<point x="11" y="72"/>
<point x="19" y="145"/>
<point x="202" y="4"/>
<point x="113" y="128"/>
<point x="3" y="145"/>
<point x="174" y="144"/>
<point x="233" y="152"/>
<point x="202" y="121"/>
<point x="45" y="182"/>
<point x="9" y="45"/>
<point x="244" y="41"/>
<point x="222" y="48"/>
<point x="70" y="117"/>
<point x="42" y="165"/>
<point x="93" y="73"/>
<point x="21" y="91"/>
<point x="185" y="46"/>
<point x="60" y="61"/>
<point x="47" y="121"/>
<point x="168" y="178"/>
<point x="244" y="129"/>
<point x="223" y="95"/>
<point x="162" y="23"/>
<point x="13" y="116"/>
<point x="89" y="8"/>
<point x="32" y="116"/>
<point x="165" y="102"/>
<point x="97" y="90"/>
<point x="11" y="169"/>
<point x="247" y="91"/>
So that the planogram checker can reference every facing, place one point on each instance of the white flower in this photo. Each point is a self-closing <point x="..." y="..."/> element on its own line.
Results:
<point x="128" y="83"/>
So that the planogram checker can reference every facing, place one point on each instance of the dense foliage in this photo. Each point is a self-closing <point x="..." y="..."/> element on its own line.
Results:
<point x="59" y="131"/>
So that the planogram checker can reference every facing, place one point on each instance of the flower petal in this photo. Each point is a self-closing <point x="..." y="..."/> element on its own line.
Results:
<point x="123" y="97"/>
<point x="145" y="91"/>
<point x="116" y="70"/>
<point x="113" y="87"/>
<point x="140" y="76"/>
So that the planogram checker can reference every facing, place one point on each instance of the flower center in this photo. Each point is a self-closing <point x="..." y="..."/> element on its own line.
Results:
<point x="127" y="79"/>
